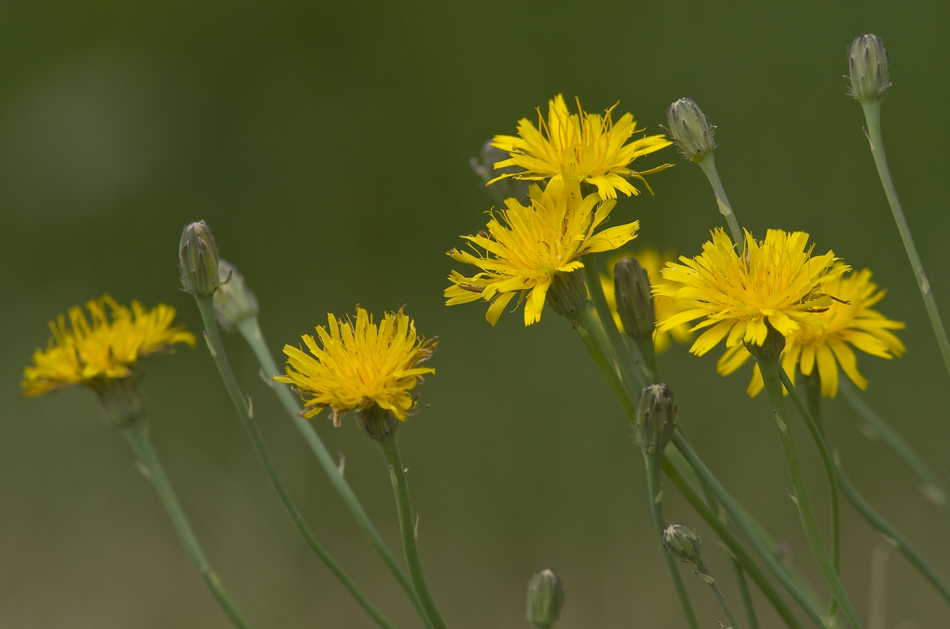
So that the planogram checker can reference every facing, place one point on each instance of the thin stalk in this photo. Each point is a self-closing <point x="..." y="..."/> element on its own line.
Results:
<point x="872" y="114"/>
<point x="654" y="461"/>
<point x="708" y="578"/>
<point x="390" y="451"/>
<point x="708" y="164"/>
<point x="586" y="327"/>
<point x="251" y="332"/>
<point x="138" y="437"/>
<point x="245" y="413"/>
<point x="771" y="370"/>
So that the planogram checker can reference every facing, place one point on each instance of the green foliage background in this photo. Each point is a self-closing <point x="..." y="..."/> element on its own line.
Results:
<point x="327" y="144"/>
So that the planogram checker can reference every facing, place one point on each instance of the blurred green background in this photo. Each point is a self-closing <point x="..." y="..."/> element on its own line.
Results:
<point x="327" y="145"/>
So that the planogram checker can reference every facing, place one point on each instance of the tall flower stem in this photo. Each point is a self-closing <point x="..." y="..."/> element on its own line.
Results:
<point x="137" y="435"/>
<point x="704" y="572"/>
<point x="251" y="331"/>
<point x="771" y="375"/>
<point x="872" y="114"/>
<point x="390" y="451"/>
<point x="242" y="406"/>
<point x="708" y="164"/>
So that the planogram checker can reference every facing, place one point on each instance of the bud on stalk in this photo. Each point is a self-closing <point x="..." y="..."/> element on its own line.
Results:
<point x="545" y="599"/>
<point x="198" y="260"/>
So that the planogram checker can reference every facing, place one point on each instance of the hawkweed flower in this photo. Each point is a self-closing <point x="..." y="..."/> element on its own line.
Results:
<point x="527" y="247"/>
<point x="359" y="365"/>
<point x="596" y="144"/>
<point x="736" y="296"/>
<point x="848" y="321"/>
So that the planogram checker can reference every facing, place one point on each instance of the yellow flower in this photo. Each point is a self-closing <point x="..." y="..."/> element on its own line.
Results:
<point x="776" y="281"/>
<point x="106" y="350"/>
<point x="528" y="246"/>
<point x="652" y="261"/>
<point x="359" y="364"/>
<point x="848" y="320"/>
<point x="591" y="141"/>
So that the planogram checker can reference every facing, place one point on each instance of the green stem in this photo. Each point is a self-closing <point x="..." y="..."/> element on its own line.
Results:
<point x="251" y="332"/>
<point x="137" y="435"/>
<point x="241" y="405"/>
<point x="586" y="327"/>
<point x="872" y="114"/>
<point x="654" y="461"/>
<point x="390" y="451"/>
<point x="930" y="484"/>
<point x="708" y="164"/>
<point x="708" y="578"/>
<point x="771" y="370"/>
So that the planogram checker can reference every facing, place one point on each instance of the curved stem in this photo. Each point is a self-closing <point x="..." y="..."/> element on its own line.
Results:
<point x="872" y="114"/>
<point x="708" y="578"/>
<point x="390" y="451"/>
<point x="137" y="435"/>
<point x="708" y="164"/>
<point x="251" y="332"/>
<point x="586" y="328"/>
<point x="241" y="405"/>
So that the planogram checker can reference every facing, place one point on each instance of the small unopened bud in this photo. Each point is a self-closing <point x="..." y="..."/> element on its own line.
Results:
<point x="690" y="129"/>
<point x="771" y="348"/>
<point x="656" y="418"/>
<point x="198" y="260"/>
<point x="634" y="299"/>
<point x="567" y="294"/>
<point x="233" y="301"/>
<point x="683" y="542"/>
<point x="868" y="62"/>
<point x="377" y="423"/>
<point x="506" y="188"/>
<point x="545" y="599"/>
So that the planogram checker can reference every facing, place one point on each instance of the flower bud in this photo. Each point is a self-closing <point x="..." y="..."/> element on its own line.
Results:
<point x="683" y="542"/>
<point x="868" y="62"/>
<point x="545" y="599"/>
<point x="507" y="188"/>
<point x="377" y="423"/>
<point x="771" y="348"/>
<point x="233" y="301"/>
<point x="198" y="260"/>
<point x="634" y="299"/>
<point x="655" y="417"/>
<point x="567" y="294"/>
<point x="690" y="129"/>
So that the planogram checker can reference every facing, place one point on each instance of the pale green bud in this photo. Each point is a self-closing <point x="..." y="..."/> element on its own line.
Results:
<point x="655" y="418"/>
<point x="198" y="260"/>
<point x="690" y="129"/>
<point x="545" y="599"/>
<point x="634" y="299"/>
<point x="868" y="62"/>
<point x="233" y="301"/>
<point x="683" y="542"/>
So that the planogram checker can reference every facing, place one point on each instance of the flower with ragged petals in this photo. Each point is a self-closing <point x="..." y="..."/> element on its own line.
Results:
<point x="526" y="247"/>
<point x="737" y="295"/>
<point x="105" y="350"/>
<point x="848" y="321"/>
<point x="598" y="146"/>
<point x="358" y="365"/>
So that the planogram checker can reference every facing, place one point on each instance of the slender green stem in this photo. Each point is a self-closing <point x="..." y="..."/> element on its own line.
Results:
<point x="586" y="327"/>
<point x="872" y="114"/>
<point x="708" y="578"/>
<point x="930" y="484"/>
<point x="771" y="370"/>
<point x="245" y="413"/>
<point x="390" y="451"/>
<point x="655" y="495"/>
<point x="137" y="435"/>
<point x="708" y="164"/>
<point x="251" y="332"/>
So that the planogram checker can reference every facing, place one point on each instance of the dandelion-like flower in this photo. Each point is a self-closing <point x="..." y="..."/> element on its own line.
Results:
<point x="652" y="262"/>
<point x="736" y="295"/>
<point x="596" y="144"/>
<point x="527" y="246"/>
<point x="359" y="364"/>
<point x="849" y="320"/>
<point x="105" y="350"/>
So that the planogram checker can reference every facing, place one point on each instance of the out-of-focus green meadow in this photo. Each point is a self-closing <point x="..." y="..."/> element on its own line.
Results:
<point x="327" y="146"/>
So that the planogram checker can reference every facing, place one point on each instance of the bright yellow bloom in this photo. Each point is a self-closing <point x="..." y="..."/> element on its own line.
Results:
<point x="849" y="319"/>
<point x="651" y="261"/>
<point x="591" y="141"/>
<point x="776" y="280"/>
<point x="359" y="364"/>
<point x="106" y="350"/>
<point x="528" y="246"/>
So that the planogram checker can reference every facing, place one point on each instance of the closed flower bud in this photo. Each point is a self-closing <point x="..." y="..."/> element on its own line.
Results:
<point x="198" y="260"/>
<point x="656" y="418"/>
<point x="545" y="599"/>
<point x="690" y="129"/>
<point x="634" y="299"/>
<point x="233" y="301"/>
<point x="503" y="188"/>
<point x="683" y="542"/>
<point x="868" y="62"/>
<point x="568" y="294"/>
<point x="771" y="348"/>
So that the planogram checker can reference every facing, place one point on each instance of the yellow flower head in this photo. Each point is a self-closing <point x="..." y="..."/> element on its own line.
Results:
<point x="359" y="364"/>
<point x="652" y="261"/>
<point x="527" y="246"/>
<point x="105" y="350"/>
<point x="848" y="320"/>
<point x="775" y="281"/>
<point x="591" y="141"/>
